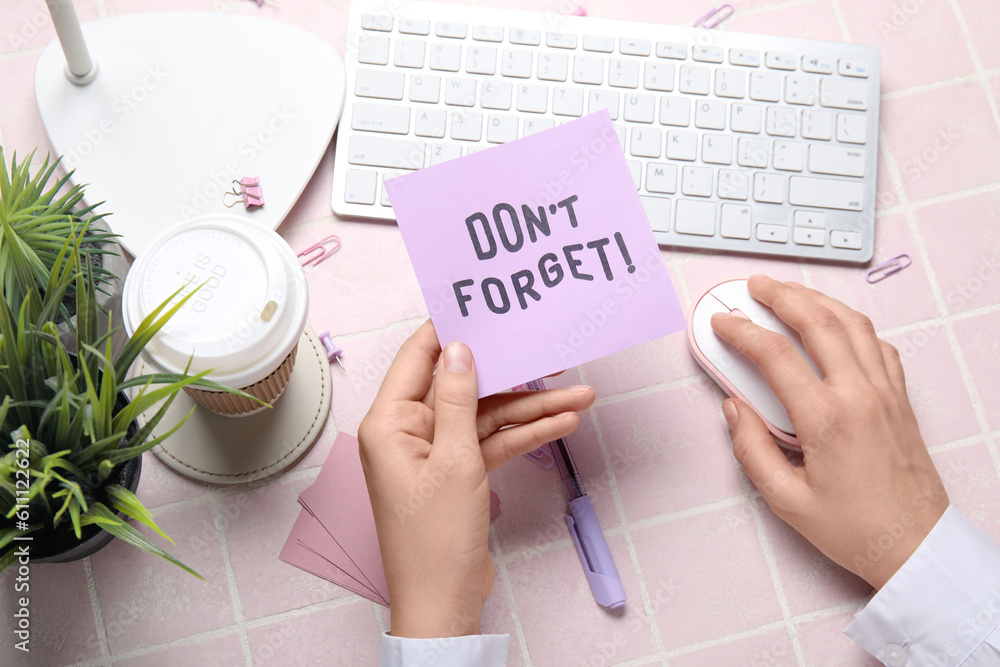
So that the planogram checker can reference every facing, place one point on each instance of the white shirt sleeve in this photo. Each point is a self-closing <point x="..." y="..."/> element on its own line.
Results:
<point x="942" y="607"/>
<point x="479" y="650"/>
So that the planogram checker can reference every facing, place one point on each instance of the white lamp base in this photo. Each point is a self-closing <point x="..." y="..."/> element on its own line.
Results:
<point x="183" y="104"/>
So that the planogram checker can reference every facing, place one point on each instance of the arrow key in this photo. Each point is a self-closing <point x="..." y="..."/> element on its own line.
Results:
<point x="806" y="236"/>
<point x="810" y="219"/>
<point x="772" y="233"/>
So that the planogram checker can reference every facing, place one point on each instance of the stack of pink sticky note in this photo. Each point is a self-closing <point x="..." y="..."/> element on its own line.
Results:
<point x="334" y="536"/>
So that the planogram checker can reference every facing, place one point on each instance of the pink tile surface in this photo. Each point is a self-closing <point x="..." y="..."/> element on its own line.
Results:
<point x="26" y="24"/>
<point x="309" y="639"/>
<point x="219" y="652"/>
<point x="824" y="643"/>
<point x="984" y="25"/>
<point x="812" y="20"/>
<point x="767" y="648"/>
<point x="159" y="485"/>
<point x="714" y="568"/>
<point x="978" y="340"/>
<point x="970" y="477"/>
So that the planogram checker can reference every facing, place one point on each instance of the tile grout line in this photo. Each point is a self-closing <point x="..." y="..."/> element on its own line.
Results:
<point x="501" y="569"/>
<point x="977" y="62"/>
<point x="95" y="603"/>
<point x="234" y="591"/>
<point x="845" y="33"/>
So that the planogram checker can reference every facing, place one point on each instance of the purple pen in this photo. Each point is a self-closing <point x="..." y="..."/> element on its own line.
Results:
<point x="585" y="529"/>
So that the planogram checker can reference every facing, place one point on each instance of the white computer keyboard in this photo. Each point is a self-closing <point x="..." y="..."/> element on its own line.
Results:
<point x="736" y="142"/>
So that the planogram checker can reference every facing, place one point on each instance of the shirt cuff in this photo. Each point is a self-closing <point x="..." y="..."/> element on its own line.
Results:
<point x="942" y="604"/>
<point x="484" y="650"/>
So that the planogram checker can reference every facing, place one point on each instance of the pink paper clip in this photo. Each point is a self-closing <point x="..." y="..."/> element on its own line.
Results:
<point x="542" y="456"/>
<point x="715" y="16"/>
<point x="888" y="267"/>
<point x="332" y="241"/>
<point x="248" y="191"/>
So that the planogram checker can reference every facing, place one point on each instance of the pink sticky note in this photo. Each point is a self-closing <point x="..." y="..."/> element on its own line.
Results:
<point x="536" y="253"/>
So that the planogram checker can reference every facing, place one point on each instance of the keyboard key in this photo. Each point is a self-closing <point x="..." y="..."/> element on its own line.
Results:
<point x="744" y="58"/>
<point x="460" y="92"/>
<point x="841" y="94"/>
<point x="444" y="152"/>
<point x="640" y="108"/>
<point x="781" y="122"/>
<point x="360" y="186"/>
<point x="752" y="152"/>
<point x="430" y="122"/>
<point x="452" y="30"/>
<point x="604" y="99"/>
<point x="553" y="66"/>
<point x="800" y="90"/>
<point x="847" y="240"/>
<point x="810" y="219"/>
<point x="672" y="50"/>
<point x="789" y="155"/>
<point x="536" y="124"/>
<point x="736" y="221"/>
<point x="836" y="160"/>
<point x="730" y="83"/>
<point x="805" y="236"/>
<point x="734" y="184"/>
<point x="826" y="193"/>
<point x="533" y="99"/>
<point x="409" y="53"/>
<point x="646" y="142"/>
<point x="682" y="145"/>
<point x="695" y="79"/>
<point x="560" y="40"/>
<point x="380" y="22"/>
<point x="481" y="60"/>
<point x="765" y="86"/>
<point x="620" y="130"/>
<point x="710" y="114"/>
<point x="466" y="126"/>
<point x="697" y="181"/>
<point x="634" y="47"/>
<point x="853" y="68"/>
<point x="707" y="54"/>
<point x="623" y="73"/>
<point x="772" y="233"/>
<point x="588" y="69"/>
<point x="852" y="128"/>
<point x="717" y="149"/>
<point x="496" y="95"/>
<point x="598" y="43"/>
<point x="745" y="118"/>
<point x="661" y="177"/>
<point x="635" y="168"/>
<point x="501" y="129"/>
<point x="376" y="151"/>
<point x="373" y="49"/>
<point x="487" y="33"/>
<point x="657" y="212"/>
<point x="446" y="57"/>
<point x="817" y="124"/>
<point x="516" y="63"/>
<point x="695" y="217"/>
<point x="675" y="111"/>
<point x="768" y="188"/>
<point x="567" y="102"/>
<point x="817" y="65"/>
<point x="780" y="60"/>
<point x="658" y="76"/>
<point x="528" y="37"/>
<point x="382" y="84"/>
<point x="380" y="118"/>
<point x="414" y="27"/>
<point x="425" y="88"/>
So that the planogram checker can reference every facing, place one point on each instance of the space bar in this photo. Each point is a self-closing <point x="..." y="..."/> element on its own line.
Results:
<point x="826" y="193"/>
<point x="385" y="152"/>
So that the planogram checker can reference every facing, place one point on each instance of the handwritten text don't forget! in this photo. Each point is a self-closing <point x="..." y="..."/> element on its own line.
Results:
<point x="508" y="230"/>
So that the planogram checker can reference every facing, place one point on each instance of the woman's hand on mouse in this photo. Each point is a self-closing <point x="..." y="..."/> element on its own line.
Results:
<point x="867" y="493"/>
<point x="426" y="445"/>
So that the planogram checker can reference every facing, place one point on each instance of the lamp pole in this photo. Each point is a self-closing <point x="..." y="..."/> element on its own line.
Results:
<point x="80" y="67"/>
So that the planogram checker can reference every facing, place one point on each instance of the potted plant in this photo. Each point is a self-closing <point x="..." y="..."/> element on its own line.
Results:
<point x="71" y="441"/>
<point x="37" y="217"/>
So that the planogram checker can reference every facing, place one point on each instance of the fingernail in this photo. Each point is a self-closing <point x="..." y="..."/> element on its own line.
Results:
<point x="759" y="276"/>
<point x="730" y="412"/>
<point x="578" y="388"/>
<point x="721" y="316"/>
<point x="457" y="358"/>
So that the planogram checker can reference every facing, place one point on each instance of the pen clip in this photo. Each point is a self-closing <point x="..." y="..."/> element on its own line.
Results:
<point x="595" y="556"/>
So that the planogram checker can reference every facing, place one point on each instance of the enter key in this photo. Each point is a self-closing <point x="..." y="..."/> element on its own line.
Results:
<point x="836" y="160"/>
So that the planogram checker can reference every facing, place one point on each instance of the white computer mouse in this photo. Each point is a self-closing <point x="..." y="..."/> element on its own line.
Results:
<point x="738" y="376"/>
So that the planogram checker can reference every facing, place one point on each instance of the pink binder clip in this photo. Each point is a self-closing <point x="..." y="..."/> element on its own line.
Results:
<point x="715" y="16"/>
<point x="325" y="248"/>
<point x="248" y="191"/>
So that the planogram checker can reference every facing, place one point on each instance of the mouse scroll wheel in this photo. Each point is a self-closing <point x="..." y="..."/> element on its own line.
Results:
<point x="738" y="313"/>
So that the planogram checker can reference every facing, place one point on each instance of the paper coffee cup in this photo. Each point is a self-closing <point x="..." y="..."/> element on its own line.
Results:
<point x="244" y="319"/>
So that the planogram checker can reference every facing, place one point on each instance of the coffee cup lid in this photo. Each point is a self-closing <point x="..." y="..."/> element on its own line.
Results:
<point x="249" y="304"/>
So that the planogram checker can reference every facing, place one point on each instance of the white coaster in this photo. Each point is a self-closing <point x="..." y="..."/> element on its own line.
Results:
<point x="235" y="450"/>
